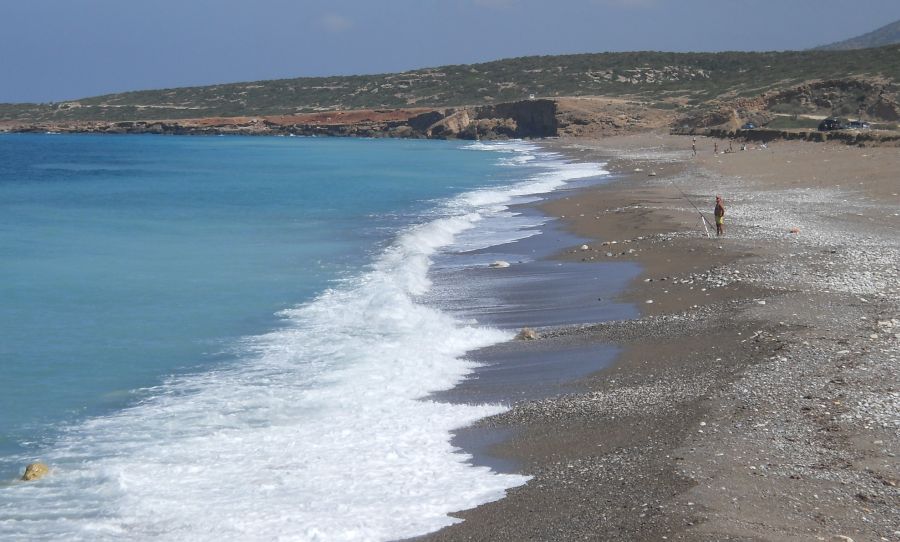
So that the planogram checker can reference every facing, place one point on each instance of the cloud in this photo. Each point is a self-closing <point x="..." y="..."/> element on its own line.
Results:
<point x="333" y="22"/>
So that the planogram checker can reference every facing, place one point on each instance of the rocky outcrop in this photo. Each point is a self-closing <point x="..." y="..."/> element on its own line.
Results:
<point x="871" y="99"/>
<point x="840" y="97"/>
<point x="525" y="119"/>
<point x="723" y="117"/>
<point x="884" y="108"/>
<point x="35" y="471"/>
<point x="849" y="137"/>
<point x="604" y="116"/>
<point x="854" y="98"/>
<point x="455" y="124"/>
<point x="529" y="118"/>
<point x="422" y="123"/>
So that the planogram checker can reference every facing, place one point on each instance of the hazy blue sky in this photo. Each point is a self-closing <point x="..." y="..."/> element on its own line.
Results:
<point x="63" y="49"/>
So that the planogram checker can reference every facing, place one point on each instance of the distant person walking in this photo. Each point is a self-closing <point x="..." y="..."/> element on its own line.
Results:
<point x="719" y="213"/>
<point x="694" y="147"/>
<point x="716" y="147"/>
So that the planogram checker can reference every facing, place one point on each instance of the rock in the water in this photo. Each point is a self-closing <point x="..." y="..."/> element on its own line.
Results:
<point x="527" y="334"/>
<point x="499" y="264"/>
<point x="585" y="247"/>
<point x="35" y="471"/>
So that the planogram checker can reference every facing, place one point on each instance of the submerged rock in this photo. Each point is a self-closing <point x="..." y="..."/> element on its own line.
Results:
<point x="34" y="471"/>
<point x="499" y="264"/>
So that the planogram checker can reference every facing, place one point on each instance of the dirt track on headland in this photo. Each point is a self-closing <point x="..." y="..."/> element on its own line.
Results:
<point x="759" y="396"/>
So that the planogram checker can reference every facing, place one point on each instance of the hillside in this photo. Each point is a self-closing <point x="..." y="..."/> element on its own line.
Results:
<point x="672" y="81"/>
<point x="888" y="34"/>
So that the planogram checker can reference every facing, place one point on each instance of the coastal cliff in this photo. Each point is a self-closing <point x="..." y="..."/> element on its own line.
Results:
<point x="522" y="119"/>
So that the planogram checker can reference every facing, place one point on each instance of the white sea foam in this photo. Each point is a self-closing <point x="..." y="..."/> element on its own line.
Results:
<point x="323" y="432"/>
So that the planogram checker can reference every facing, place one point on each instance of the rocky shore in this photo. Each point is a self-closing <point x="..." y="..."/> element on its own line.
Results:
<point x="527" y="118"/>
<point x="758" y="397"/>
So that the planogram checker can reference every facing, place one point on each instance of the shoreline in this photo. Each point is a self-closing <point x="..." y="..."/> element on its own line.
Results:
<point x="697" y="431"/>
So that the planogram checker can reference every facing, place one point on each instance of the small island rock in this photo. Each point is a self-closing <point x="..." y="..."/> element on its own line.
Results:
<point x="34" y="471"/>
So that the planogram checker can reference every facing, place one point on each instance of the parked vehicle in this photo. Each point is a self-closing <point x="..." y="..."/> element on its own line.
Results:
<point x="858" y="125"/>
<point x="830" y="124"/>
<point x="749" y="126"/>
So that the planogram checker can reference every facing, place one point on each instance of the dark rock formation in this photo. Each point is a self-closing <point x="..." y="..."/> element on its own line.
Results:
<point x="421" y="123"/>
<point x="531" y="118"/>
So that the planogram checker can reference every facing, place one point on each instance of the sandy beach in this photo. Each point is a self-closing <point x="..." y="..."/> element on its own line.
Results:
<point x="757" y="396"/>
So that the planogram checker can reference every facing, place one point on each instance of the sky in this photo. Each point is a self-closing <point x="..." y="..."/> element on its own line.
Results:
<point x="54" y="50"/>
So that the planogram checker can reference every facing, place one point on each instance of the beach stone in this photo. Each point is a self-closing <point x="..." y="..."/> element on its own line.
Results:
<point x="499" y="264"/>
<point x="527" y="334"/>
<point x="841" y="538"/>
<point x="34" y="471"/>
<point x="585" y="247"/>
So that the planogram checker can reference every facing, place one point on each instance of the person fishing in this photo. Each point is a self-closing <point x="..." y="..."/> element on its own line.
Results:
<point x="719" y="213"/>
<point x="703" y="220"/>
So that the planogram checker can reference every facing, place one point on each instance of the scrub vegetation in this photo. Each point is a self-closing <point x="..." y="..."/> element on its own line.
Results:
<point x="670" y="80"/>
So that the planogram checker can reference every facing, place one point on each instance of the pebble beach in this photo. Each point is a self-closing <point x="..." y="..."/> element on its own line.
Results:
<point x="757" y="395"/>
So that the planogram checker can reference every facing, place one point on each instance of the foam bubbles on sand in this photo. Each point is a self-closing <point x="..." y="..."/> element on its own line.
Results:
<point x="322" y="432"/>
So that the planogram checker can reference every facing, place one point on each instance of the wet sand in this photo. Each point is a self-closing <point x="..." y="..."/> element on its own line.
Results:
<point x="756" y="397"/>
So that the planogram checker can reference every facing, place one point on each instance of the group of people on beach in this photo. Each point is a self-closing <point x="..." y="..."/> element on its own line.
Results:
<point x="730" y="148"/>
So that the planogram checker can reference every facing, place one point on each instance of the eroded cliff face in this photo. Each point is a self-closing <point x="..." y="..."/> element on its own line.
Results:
<point x="600" y="116"/>
<point x="524" y="119"/>
<point x="530" y="118"/>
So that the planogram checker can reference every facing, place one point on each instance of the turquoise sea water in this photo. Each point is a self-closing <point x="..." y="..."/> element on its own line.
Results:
<point x="188" y="320"/>
<point x="126" y="259"/>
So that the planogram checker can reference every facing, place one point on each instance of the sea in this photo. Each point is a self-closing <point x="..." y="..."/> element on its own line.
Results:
<point x="237" y="338"/>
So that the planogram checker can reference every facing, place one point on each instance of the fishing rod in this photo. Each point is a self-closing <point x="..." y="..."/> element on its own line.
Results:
<point x="704" y="220"/>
